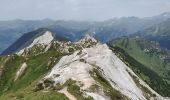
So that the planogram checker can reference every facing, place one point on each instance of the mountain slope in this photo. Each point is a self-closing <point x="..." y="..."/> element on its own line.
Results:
<point x="16" y="28"/>
<point x="32" y="38"/>
<point x="19" y="74"/>
<point x="85" y="70"/>
<point x="12" y="88"/>
<point x="152" y="62"/>
<point x="159" y="32"/>
<point x="101" y="58"/>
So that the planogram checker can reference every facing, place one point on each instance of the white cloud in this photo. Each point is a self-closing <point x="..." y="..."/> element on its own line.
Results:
<point x="80" y="9"/>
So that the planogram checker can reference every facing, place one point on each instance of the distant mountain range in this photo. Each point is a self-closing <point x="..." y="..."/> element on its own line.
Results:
<point x="74" y="30"/>
<point x="159" y="32"/>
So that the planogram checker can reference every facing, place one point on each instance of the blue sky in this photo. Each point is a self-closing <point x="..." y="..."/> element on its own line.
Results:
<point x="80" y="9"/>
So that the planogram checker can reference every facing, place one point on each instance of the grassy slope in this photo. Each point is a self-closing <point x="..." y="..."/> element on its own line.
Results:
<point x="22" y="88"/>
<point x="148" y="66"/>
<point x="152" y="61"/>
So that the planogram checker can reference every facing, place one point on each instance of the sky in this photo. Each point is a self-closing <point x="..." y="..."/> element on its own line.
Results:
<point x="80" y="9"/>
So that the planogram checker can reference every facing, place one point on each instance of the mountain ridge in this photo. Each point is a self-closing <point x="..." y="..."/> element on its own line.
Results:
<point x="87" y="69"/>
<point x="29" y="38"/>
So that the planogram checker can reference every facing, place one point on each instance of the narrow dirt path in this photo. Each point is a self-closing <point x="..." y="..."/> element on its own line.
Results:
<point x="70" y="96"/>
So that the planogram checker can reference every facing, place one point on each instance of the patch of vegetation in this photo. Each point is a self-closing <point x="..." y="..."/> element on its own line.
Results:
<point x="94" y="88"/>
<point x="44" y="85"/>
<point x="40" y="95"/>
<point x="9" y="72"/>
<point x="75" y="90"/>
<point x="71" y="49"/>
<point x="38" y="66"/>
<point x="108" y="90"/>
<point x="83" y="60"/>
<point x="35" y="50"/>
<point x="26" y="93"/>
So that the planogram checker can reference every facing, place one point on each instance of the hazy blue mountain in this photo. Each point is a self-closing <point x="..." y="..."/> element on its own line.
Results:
<point x="74" y="30"/>
<point x="27" y="39"/>
<point x="10" y="31"/>
<point x="159" y="32"/>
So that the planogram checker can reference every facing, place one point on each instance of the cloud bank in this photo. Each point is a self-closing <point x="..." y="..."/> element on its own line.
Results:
<point x="80" y="9"/>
